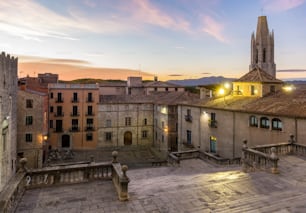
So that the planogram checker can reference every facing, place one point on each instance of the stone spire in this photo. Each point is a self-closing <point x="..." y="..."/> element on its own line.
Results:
<point x="262" y="47"/>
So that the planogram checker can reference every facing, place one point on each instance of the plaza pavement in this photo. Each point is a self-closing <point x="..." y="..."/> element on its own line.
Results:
<point x="195" y="186"/>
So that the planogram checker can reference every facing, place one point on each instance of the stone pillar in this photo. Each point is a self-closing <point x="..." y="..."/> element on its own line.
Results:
<point x="23" y="162"/>
<point x="115" y="155"/>
<point x="243" y="156"/>
<point x="274" y="158"/>
<point x="124" y="181"/>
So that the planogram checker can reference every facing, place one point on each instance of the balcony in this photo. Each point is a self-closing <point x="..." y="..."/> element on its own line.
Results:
<point x="188" y="118"/>
<point x="74" y="129"/>
<point x="59" y="100"/>
<point x="74" y="100"/>
<point x="89" y="100"/>
<point x="59" y="114"/>
<point x="212" y="123"/>
<point x="89" y="128"/>
<point x="90" y="114"/>
<point x="58" y="130"/>
<point x="74" y="114"/>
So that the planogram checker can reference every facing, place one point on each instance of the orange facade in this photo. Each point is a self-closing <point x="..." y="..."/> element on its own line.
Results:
<point x="73" y="113"/>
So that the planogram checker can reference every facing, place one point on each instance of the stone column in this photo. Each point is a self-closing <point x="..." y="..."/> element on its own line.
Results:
<point x="124" y="181"/>
<point x="243" y="156"/>
<point x="274" y="158"/>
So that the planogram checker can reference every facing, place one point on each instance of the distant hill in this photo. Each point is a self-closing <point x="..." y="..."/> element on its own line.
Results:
<point x="202" y="81"/>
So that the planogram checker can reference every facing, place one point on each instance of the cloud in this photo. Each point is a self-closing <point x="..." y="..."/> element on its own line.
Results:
<point x="281" y="5"/>
<point x="175" y="75"/>
<point x="205" y="73"/>
<point x="213" y="28"/>
<point x="292" y="71"/>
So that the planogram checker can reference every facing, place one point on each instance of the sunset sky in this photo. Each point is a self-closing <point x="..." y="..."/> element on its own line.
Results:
<point x="172" y="39"/>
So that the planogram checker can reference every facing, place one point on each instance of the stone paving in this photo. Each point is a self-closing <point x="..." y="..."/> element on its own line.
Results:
<point x="195" y="186"/>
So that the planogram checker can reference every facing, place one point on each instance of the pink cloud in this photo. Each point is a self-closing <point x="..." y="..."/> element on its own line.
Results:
<point x="213" y="28"/>
<point x="281" y="5"/>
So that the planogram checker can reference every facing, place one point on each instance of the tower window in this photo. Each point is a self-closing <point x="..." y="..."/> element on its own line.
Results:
<point x="264" y="55"/>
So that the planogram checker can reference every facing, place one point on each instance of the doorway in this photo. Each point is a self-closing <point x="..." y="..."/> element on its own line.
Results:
<point x="127" y="138"/>
<point x="213" y="144"/>
<point x="65" y="141"/>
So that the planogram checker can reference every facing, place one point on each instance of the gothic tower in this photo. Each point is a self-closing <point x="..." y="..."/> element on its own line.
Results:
<point x="262" y="47"/>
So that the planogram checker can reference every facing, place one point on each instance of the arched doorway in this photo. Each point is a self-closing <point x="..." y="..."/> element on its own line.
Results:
<point x="127" y="138"/>
<point x="65" y="141"/>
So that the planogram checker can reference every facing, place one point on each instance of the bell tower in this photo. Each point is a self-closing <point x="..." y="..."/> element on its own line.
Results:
<point x="262" y="48"/>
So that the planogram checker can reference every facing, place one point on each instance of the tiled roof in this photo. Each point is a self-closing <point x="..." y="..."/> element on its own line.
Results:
<point x="258" y="75"/>
<point x="281" y="103"/>
<point x="160" y="84"/>
<point x="169" y="98"/>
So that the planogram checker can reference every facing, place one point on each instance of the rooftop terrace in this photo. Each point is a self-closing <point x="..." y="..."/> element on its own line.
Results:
<point x="194" y="186"/>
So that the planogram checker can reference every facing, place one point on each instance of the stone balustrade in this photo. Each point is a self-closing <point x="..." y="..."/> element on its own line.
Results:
<point x="253" y="159"/>
<point x="63" y="175"/>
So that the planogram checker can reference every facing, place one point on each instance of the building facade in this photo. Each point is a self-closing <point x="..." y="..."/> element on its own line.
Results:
<point x="32" y="127"/>
<point x="73" y="110"/>
<point x="8" y="117"/>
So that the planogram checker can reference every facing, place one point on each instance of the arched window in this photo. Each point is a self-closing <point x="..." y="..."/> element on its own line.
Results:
<point x="265" y="122"/>
<point x="277" y="124"/>
<point x="253" y="121"/>
<point x="264" y="55"/>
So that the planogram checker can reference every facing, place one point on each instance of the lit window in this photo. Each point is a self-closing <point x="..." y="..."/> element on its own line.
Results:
<point x="277" y="124"/>
<point x="253" y="121"/>
<point x="264" y="123"/>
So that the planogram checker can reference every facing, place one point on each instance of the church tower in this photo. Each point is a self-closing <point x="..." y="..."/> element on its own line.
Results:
<point x="262" y="48"/>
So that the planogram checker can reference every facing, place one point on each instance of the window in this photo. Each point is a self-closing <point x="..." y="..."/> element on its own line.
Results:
<point x="264" y="55"/>
<point x="75" y="97"/>
<point x="145" y="121"/>
<point x="167" y="89"/>
<point x="175" y="88"/>
<point x="264" y="123"/>
<point x="188" y="137"/>
<point x="89" y="97"/>
<point x="272" y="89"/>
<point x="59" y="126"/>
<point x="253" y="121"/>
<point x="252" y="90"/>
<point x="74" y="110"/>
<point x="29" y="120"/>
<point x="51" y="124"/>
<point x="51" y="95"/>
<point x="277" y="124"/>
<point x="128" y="121"/>
<point x="155" y="88"/>
<point x="59" y="111"/>
<point x="89" y="124"/>
<point x="74" y="125"/>
<point x="108" y="123"/>
<point x="163" y="138"/>
<point x="89" y="136"/>
<point x="51" y="109"/>
<point x="59" y="97"/>
<point x="28" y="137"/>
<point x="144" y="134"/>
<point x="29" y="103"/>
<point x="89" y="110"/>
<point x="108" y="136"/>
<point x="213" y="121"/>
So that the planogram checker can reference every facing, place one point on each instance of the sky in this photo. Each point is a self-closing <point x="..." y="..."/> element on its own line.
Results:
<point x="171" y="39"/>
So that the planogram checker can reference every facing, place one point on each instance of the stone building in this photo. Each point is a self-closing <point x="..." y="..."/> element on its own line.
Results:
<point x="73" y="110"/>
<point x="125" y="121"/>
<point x="8" y="117"/>
<point x="32" y="126"/>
